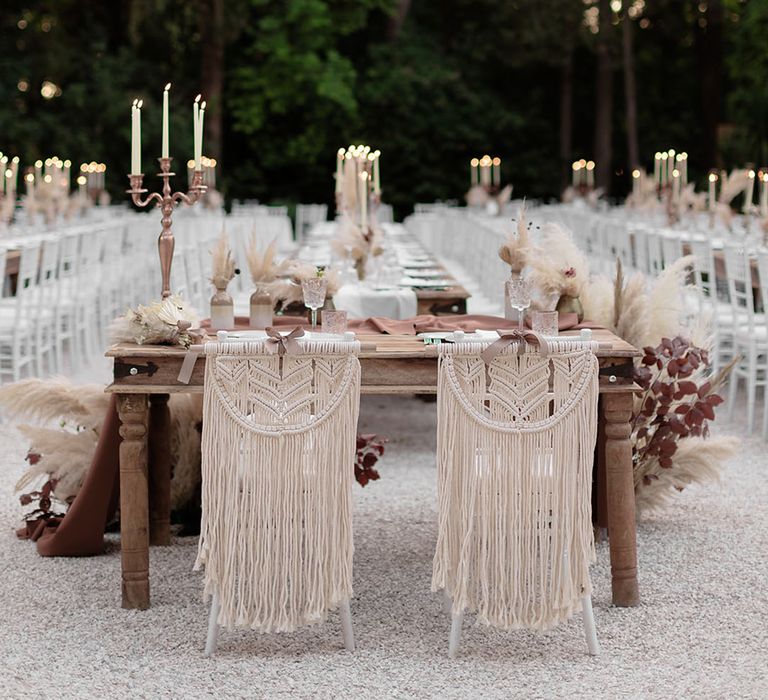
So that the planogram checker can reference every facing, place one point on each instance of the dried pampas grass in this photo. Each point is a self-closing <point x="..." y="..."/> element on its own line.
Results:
<point x="516" y="248"/>
<point x="558" y="267"/>
<point x="170" y="321"/>
<point x="697" y="460"/>
<point x="261" y="264"/>
<point x="666" y="302"/>
<point x="597" y="300"/>
<point x="223" y="266"/>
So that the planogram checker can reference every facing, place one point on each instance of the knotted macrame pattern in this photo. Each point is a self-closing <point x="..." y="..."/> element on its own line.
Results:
<point x="515" y="443"/>
<point x="278" y="449"/>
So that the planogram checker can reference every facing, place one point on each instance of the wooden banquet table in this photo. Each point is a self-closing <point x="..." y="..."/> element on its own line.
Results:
<point x="145" y="376"/>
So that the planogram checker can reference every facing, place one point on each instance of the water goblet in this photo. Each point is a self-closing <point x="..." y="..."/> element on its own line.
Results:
<point x="545" y="323"/>
<point x="519" y="293"/>
<point x="313" y="289"/>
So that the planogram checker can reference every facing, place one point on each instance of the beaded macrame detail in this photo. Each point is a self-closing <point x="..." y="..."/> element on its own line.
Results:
<point x="279" y="440"/>
<point x="516" y="443"/>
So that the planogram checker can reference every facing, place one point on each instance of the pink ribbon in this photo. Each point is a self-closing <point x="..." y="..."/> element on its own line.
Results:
<point x="282" y="344"/>
<point x="522" y="337"/>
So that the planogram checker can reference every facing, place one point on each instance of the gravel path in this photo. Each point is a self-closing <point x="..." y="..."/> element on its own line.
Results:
<point x="701" y="631"/>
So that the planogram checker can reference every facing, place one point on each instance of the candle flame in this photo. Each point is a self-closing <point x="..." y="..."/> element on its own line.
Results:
<point x="657" y="155"/>
<point x="167" y="87"/>
<point x="671" y="152"/>
<point x="139" y="104"/>
<point x="497" y="161"/>
<point x="576" y="165"/>
<point x="67" y="163"/>
<point x="675" y="173"/>
<point x="82" y="180"/>
<point x="38" y="163"/>
<point x="474" y="162"/>
<point x="135" y="101"/>
<point x="198" y="98"/>
<point x="47" y="178"/>
<point x="364" y="175"/>
<point x="591" y="165"/>
<point x="29" y="177"/>
<point x="751" y="174"/>
<point x="15" y="159"/>
<point x="635" y="174"/>
<point x="340" y="153"/>
<point x="582" y="163"/>
<point x="713" y="177"/>
<point x="9" y="173"/>
<point x="202" y="106"/>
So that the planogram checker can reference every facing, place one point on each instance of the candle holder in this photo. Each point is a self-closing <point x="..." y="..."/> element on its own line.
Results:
<point x="166" y="201"/>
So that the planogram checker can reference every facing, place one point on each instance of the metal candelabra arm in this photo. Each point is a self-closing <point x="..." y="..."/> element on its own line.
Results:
<point x="166" y="201"/>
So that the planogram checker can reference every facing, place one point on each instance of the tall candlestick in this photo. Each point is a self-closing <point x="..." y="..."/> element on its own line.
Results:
<point x="165" y="121"/>
<point x="750" y="192"/>
<point x="712" y="181"/>
<point x="684" y="161"/>
<point x="135" y="138"/>
<point x="197" y="146"/>
<point x="339" y="171"/>
<point x="376" y="174"/>
<point x="591" y="174"/>
<point x="201" y="118"/>
<point x="497" y="171"/>
<point x="663" y="180"/>
<point x="670" y="164"/>
<point x="764" y="194"/>
<point x="474" y="177"/>
<point x="657" y="169"/>
<point x="364" y="201"/>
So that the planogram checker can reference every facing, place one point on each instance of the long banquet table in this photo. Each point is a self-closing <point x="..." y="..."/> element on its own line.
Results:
<point x="145" y="376"/>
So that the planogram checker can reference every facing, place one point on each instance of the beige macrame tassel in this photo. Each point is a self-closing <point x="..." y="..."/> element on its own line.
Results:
<point x="516" y="443"/>
<point x="278" y="448"/>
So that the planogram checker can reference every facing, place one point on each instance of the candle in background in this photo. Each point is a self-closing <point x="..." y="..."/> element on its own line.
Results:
<point x="670" y="164"/>
<point x="764" y="193"/>
<point x="135" y="139"/>
<point x="339" y="173"/>
<point x="376" y="173"/>
<point x="591" y="174"/>
<point x="675" y="185"/>
<point x="474" y="176"/>
<point x="29" y="180"/>
<point x="575" y="176"/>
<point x="663" y="179"/>
<point x="657" y="169"/>
<point x="712" y="181"/>
<point x="497" y="172"/>
<point x="636" y="183"/>
<point x="81" y="180"/>
<point x="201" y="119"/>
<point x="165" y="121"/>
<point x="196" y="150"/>
<point x="684" y="169"/>
<point x="750" y="191"/>
<point x="15" y="170"/>
<point x="364" y="201"/>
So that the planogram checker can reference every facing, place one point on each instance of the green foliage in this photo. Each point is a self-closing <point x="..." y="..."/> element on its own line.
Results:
<point x="304" y="77"/>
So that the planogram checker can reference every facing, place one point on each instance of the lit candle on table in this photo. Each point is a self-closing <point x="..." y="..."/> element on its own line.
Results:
<point x="364" y="201"/>
<point x="657" y="169"/>
<point x="474" y="177"/>
<point x="684" y="169"/>
<point x="376" y="174"/>
<point x="135" y="139"/>
<point x="197" y="149"/>
<point x="339" y="171"/>
<point x="712" y="181"/>
<point x="165" y="150"/>
<point x="663" y="180"/>
<point x="670" y="164"/>
<point x="485" y="170"/>
<point x="81" y="180"/>
<point x="764" y="194"/>
<point x="636" y="183"/>
<point x="201" y="119"/>
<point x="497" y="171"/>
<point x="750" y="192"/>
<point x="675" y="185"/>
<point x="591" y="174"/>
<point x="575" y="177"/>
<point x="29" y="179"/>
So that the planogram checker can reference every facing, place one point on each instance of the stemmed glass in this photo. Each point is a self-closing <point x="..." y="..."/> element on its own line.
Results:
<point x="519" y="293"/>
<point x="314" y="289"/>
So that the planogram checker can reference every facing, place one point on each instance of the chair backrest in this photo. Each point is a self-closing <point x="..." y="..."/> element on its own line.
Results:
<point x="762" y="269"/>
<point x="704" y="273"/>
<point x="738" y="274"/>
<point x="515" y="449"/>
<point x="671" y="247"/>
<point x="279" y="440"/>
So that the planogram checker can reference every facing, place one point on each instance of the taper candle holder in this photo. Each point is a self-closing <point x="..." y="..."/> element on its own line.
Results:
<point x="166" y="201"/>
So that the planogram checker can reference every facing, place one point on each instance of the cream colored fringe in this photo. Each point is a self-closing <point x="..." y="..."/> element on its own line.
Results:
<point x="516" y="444"/>
<point x="279" y="441"/>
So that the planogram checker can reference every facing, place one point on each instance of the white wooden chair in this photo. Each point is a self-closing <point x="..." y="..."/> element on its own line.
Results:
<point x="307" y="216"/>
<point x="762" y="268"/>
<point x="750" y="334"/>
<point x="515" y="446"/>
<point x="279" y="440"/>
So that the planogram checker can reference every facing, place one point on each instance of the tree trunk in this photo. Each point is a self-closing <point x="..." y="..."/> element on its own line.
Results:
<point x="630" y="93"/>
<point x="212" y="73"/>
<point x="397" y="20"/>
<point x="709" y="44"/>
<point x="604" y="101"/>
<point x="566" y="119"/>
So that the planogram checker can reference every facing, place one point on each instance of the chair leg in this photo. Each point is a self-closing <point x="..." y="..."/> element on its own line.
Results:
<point x="213" y="627"/>
<point x="453" y="644"/>
<point x="589" y="626"/>
<point x="346" y="626"/>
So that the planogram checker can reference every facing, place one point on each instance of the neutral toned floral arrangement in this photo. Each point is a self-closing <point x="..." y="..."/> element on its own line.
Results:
<point x="350" y="241"/>
<point x="223" y="265"/>
<point x="558" y="267"/>
<point x="170" y="321"/>
<point x="517" y="246"/>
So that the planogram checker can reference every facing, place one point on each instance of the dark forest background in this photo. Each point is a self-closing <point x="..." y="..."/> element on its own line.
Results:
<point x="431" y="83"/>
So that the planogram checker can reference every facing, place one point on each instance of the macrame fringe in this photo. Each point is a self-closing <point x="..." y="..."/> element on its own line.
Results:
<point x="279" y="437"/>
<point x="516" y="444"/>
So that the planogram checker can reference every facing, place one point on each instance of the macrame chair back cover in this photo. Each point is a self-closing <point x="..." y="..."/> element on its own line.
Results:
<point x="278" y="450"/>
<point x="516" y="442"/>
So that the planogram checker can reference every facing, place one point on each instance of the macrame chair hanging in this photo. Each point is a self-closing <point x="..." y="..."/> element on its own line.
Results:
<point x="278" y="449"/>
<point x="516" y="439"/>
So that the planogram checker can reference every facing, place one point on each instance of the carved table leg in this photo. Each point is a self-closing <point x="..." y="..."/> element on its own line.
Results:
<point x="134" y="540"/>
<point x="159" y="470"/>
<point x="622" y="527"/>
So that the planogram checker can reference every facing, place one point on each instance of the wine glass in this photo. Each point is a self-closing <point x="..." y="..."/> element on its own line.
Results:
<point x="313" y="290"/>
<point x="519" y="293"/>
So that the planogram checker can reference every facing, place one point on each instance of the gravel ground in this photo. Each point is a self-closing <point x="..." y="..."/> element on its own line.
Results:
<point x="701" y="630"/>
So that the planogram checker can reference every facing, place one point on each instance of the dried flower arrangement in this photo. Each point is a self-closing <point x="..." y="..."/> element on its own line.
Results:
<point x="261" y="264"/>
<point x="558" y="267"/>
<point x="223" y="265"/>
<point x="517" y="246"/>
<point x="370" y="448"/>
<point x="670" y="448"/>
<point x="167" y="322"/>
<point x="60" y="456"/>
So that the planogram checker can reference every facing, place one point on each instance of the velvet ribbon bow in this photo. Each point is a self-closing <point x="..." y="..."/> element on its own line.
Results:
<point x="282" y="344"/>
<point x="521" y="337"/>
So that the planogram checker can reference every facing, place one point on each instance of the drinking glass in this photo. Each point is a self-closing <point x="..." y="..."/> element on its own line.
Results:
<point x="519" y="293"/>
<point x="334" y="322"/>
<point x="545" y="322"/>
<point x="313" y="290"/>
